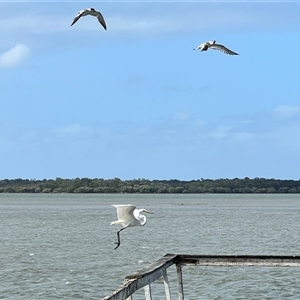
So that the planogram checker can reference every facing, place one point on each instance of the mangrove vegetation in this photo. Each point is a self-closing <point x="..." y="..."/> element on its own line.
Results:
<point x="172" y="186"/>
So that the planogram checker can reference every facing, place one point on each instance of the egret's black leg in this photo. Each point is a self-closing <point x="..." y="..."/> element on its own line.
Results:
<point x="118" y="234"/>
<point x="119" y="242"/>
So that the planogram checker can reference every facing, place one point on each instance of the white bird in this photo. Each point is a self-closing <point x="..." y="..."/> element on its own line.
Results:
<point x="91" y="12"/>
<point x="129" y="216"/>
<point x="212" y="45"/>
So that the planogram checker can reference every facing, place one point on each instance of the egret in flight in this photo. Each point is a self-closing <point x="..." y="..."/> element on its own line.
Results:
<point x="91" y="12"/>
<point x="129" y="216"/>
<point x="212" y="45"/>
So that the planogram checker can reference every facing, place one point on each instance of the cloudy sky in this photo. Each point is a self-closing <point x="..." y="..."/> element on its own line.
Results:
<point x="136" y="101"/>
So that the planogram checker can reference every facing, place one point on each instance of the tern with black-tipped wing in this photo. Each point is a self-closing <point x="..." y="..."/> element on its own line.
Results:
<point x="90" y="12"/>
<point x="212" y="45"/>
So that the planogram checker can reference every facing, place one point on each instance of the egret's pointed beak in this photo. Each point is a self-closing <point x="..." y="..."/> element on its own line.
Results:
<point x="148" y="211"/>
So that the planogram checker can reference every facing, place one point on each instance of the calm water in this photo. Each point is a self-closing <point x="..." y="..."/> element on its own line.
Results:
<point x="61" y="246"/>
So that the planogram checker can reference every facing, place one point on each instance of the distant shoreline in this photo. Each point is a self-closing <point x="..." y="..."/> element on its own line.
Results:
<point x="145" y="186"/>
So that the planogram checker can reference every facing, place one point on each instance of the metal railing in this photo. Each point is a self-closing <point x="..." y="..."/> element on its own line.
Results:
<point x="144" y="277"/>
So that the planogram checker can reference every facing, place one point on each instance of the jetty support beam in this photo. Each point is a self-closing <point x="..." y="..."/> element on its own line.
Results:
<point x="167" y="286"/>
<point x="180" y="283"/>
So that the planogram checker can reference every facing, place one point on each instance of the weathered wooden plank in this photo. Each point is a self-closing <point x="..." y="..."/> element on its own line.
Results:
<point x="166" y="284"/>
<point x="238" y="260"/>
<point x="124" y="292"/>
<point x="160" y="265"/>
<point x="180" y="283"/>
<point x="142" y="277"/>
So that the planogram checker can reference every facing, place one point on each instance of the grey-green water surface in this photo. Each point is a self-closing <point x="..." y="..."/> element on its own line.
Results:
<point x="61" y="246"/>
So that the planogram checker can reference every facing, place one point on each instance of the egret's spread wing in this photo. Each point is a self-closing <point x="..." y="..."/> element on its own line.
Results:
<point x="125" y="212"/>
<point x="223" y="49"/>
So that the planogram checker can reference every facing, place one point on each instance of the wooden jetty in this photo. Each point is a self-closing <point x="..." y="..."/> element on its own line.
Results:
<point x="144" y="277"/>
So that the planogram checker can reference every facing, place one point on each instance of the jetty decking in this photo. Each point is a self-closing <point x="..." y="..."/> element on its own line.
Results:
<point x="144" y="277"/>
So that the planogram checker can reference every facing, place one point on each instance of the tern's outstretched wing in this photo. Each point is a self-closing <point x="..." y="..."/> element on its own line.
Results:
<point x="77" y="17"/>
<point x="101" y="19"/>
<point x="223" y="49"/>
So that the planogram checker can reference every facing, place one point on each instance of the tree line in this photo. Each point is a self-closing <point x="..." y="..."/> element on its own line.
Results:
<point x="141" y="185"/>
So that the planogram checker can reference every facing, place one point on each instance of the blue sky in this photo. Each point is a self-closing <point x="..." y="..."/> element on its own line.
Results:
<point x="136" y="101"/>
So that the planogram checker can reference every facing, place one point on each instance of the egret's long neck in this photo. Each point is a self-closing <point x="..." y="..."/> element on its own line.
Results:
<point x="138" y="215"/>
<point x="143" y="220"/>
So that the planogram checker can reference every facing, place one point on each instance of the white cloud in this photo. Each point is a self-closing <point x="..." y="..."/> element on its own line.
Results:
<point x="285" y="112"/>
<point x="32" y="23"/>
<point x="156" y="17"/>
<point x="118" y="23"/>
<point x="14" y="56"/>
<point x="75" y="131"/>
<point x="221" y="132"/>
<point x="182" y="116"/>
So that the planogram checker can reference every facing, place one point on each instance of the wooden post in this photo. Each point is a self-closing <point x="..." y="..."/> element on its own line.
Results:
<point x="147" y="289"/>
<point x="167" y="287"/>
<point x="180" y="284"/>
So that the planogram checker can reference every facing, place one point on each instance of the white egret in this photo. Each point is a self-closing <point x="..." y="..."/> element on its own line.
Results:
<point x="91" y="12"/>
<point x="212" y="45"/>
<point x="129" y="216"/>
